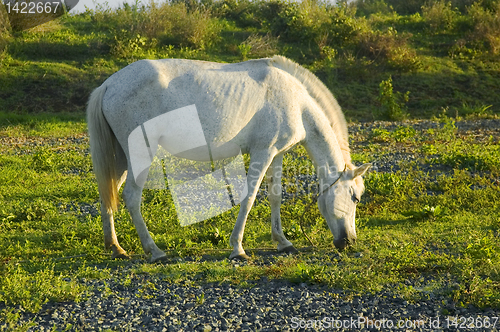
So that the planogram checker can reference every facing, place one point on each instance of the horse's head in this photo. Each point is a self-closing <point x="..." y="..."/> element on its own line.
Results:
<point x="338" y="203"/>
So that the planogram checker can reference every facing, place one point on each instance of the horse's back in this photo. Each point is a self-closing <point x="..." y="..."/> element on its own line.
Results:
<point x="227" y="96"/>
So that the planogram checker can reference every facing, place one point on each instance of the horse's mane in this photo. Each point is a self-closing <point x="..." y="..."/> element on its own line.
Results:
<point x="323" y="97"/>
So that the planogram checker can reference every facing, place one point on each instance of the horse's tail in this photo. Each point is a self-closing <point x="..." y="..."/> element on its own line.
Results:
<point x="102" y="149"/>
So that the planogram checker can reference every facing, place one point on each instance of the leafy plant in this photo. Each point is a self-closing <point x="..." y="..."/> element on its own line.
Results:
<point x="380" y="135"/>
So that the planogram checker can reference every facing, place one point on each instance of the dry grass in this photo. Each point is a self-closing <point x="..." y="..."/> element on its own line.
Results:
<point x="261" y="46"/>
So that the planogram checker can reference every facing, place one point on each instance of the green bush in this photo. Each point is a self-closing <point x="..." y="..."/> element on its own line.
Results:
<point x="244" y="13"/>
<point x="194" y="29"/>
<point x="312" y="20"/>
<point x="439" y="15"/>
<point x="406" y="7"/>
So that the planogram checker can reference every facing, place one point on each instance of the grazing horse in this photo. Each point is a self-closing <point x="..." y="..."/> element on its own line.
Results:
<point x="264" y="107"/>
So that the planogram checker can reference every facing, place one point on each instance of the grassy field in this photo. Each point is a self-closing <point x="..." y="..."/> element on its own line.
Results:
<point x="436" y="214"/>
<point x="441" y="222"/>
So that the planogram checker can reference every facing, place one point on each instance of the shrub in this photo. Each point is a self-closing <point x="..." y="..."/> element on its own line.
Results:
<point x="194" y="29"/>
<point x="295" y="21"/>
<point x="389" y="47"/>
<point x="135" y="27"/>
<point x="486" y="27"/>
<point x="343" y="26"/>
<point x="311" y="20"/>
<point x="244" y="12"/>
<point x="368" y="7"/>
<point x="439" y="15"/>
<point x="393" y="104"/>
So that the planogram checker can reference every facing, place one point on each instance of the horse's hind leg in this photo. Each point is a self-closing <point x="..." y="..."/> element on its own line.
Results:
<point x="132" y="195"/>
<point x="108" y="225"/>
<point x="274" y="195"/>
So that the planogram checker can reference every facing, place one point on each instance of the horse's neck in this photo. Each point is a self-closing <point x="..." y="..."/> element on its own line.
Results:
<point x="323" y="147"/>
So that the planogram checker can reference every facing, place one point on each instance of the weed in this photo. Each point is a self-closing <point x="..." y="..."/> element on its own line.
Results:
<point x="310" y="273"/>
<point x="475" y="111"/>
<point x="380" y="135"/>
<point x="200" y="299"/>
<point x="427" y="213"/>
<point x="244" y="49"/>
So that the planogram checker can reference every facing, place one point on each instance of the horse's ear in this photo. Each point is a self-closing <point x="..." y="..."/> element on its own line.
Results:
<point x="361" y="170"/>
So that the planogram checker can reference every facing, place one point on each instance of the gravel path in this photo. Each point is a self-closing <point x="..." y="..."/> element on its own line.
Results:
<point x="148" y="303"/>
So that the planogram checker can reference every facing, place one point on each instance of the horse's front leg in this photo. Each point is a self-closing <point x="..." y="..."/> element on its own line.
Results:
<point x="259" y="162"/>
<point x="274" y="173"/>
<point x="132" y="195"/>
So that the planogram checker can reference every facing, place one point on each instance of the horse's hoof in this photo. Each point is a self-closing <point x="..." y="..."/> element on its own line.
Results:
<point x="289" y="250"/>
<point x="241" y="257"/>
<point x="121" y="255"/>
<point x="159" y="259"/>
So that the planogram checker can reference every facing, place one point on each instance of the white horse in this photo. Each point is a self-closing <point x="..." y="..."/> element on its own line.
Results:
<point x="264" y="107"/>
